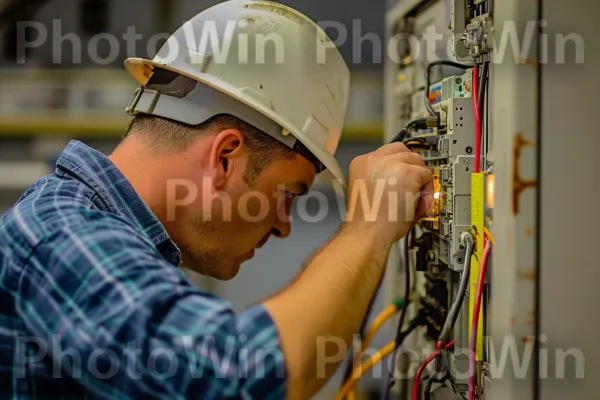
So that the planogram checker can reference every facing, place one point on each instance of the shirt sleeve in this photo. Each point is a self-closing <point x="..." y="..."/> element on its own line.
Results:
<point x="137" y="327"/>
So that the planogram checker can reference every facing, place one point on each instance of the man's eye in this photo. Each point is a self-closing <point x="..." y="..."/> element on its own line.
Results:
<point x="289" y="195"/>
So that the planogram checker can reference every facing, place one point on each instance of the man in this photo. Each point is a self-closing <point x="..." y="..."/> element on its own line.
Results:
<point x="93" y="302"/>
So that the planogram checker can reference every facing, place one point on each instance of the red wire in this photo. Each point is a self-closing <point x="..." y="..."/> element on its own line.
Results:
<point x="422" y="367"/>
<point x="475" y="96"/>
<point x="475" y="325"/>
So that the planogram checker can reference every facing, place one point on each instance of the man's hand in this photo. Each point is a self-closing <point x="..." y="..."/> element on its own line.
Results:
<point x="389" y="189"/>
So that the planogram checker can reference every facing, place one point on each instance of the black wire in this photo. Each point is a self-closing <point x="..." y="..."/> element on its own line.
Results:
<point x="412" y="325"/>
<point x="445" y="378"/>
<point x="482" y="89"/>
<point x="445" y="359"/>
<point x="483" y="81"/>
<point x="428" y="105"/>
<point x="399" y="334"/>
<point x="430" y="383"/>
<point x="401" y="136"/>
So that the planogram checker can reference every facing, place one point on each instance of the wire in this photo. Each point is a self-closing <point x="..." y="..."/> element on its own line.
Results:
<point x="488" y="235"/>
<point x="482" y="88"/>
<point x="450" y="379"/>
<point x="417" y="142"/>
<point x="456" y="389"/>
<point x="364" y="368"/>
<point x="475" y="96"/>
<point x="428" y="105"/>
<point x="445" y="380"/>
<point x="412" y="325"/>
<point x="431" y="381"/>
<point x="381" y="319"/>
<point x="399" y="338"/>
<point x="376" y="358"/>
<point x="363" y="326"/>
<point x="432" y="356"/>
<point x="420" y="123"/>
<point x="475" y="323"/>
<point x="399" y="136"/>
<point x="446" y="331"/>
<point x="483" y="108"/>
<point x="482" y="111"/>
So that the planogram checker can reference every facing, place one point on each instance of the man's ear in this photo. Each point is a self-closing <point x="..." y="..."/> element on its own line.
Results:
<point x="226" y="155"/>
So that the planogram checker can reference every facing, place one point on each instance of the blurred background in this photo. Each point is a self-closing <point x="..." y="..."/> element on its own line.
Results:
<point x="73" y="86"/>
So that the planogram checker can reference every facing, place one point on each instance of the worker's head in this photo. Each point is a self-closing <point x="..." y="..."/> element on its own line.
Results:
<point x="221" y="188"/>
<point x="268" y="65"/>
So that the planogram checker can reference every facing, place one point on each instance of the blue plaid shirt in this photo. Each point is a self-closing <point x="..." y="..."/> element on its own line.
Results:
<point x="93" y="304"/>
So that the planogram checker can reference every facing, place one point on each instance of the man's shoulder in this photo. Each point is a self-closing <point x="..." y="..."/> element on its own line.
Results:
<point x="52" y="205"/>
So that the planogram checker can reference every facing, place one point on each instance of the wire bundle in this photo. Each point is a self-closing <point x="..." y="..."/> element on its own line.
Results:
<point x="478" y="89"/>
<point x="440" y="348"/>
<point x="475" y="323"/>
<point x="347" y="389"/>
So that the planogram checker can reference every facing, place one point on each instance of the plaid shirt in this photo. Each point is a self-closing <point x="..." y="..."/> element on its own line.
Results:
<point x="93" y="304"/>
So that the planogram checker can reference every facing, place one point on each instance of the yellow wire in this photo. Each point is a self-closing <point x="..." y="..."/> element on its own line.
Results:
<point x="364" y="368"/>
<point x="377" y="324"/>
<point x="489" y="235"/>
<point x="381" y="319"/>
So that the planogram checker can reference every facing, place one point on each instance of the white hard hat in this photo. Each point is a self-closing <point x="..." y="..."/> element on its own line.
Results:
<point x="261" y="61"/>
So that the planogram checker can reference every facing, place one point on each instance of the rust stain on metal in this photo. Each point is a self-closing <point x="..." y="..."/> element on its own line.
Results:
<point x="528" y="339"/>
<point x="513" y="322"/>
<point x="530" y="321"/>
<point x="519" y="184"/>
<point x="526" y="275"/>
<point x="529" y="232"/>
<point x="528" y="61"/>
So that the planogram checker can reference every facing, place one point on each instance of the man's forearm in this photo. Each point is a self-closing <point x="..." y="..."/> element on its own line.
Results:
<point x="328" y="300"/>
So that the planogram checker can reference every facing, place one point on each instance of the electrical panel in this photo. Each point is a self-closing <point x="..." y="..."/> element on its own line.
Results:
<point x="458" y="71"/>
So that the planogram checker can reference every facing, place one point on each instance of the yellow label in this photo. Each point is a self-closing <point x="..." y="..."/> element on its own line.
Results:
<point x="477" y="221"/>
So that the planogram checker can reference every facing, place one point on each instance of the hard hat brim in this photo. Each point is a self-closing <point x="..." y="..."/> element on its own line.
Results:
<point x="141" y="70"/>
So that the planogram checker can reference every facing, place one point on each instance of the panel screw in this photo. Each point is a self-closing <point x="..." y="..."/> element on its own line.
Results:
<point x="469" y="149"/>
<point x="458" y="80"/>
<point x="459" y="260"/>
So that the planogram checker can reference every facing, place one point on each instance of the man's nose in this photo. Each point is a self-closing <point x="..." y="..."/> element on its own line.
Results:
<point x="282" y="227"/>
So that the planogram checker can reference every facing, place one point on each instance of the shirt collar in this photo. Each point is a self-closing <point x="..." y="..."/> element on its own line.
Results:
<point x="95" y="170"/>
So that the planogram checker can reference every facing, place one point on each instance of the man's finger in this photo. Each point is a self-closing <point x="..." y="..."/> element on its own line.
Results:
<point x="426" y="199"/>
<point x="424" y="175"/>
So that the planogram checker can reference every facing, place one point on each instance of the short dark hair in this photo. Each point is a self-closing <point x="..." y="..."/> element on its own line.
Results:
<point x="163" y="134"/>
